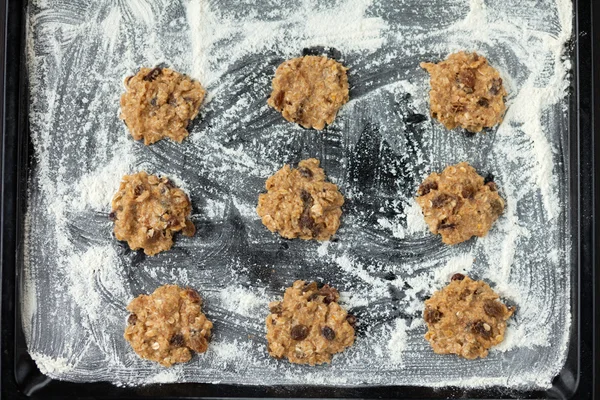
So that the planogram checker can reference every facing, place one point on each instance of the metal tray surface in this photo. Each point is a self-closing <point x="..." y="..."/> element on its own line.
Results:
<point x="377" y="152"/>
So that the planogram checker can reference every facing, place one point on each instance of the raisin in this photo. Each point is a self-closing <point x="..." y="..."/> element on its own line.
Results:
<point x="482" y="329"/>
<point x="139" y="189"/>
<point x="468" y="192"/>
<point x="276" y="309"/>
<point x="330" y="294"/>
<point x="278" y="100"/>
<point x="496" y="85"/>
<point x="441" y="200"/>
<point x="328" y="333"/>
<point x="493" y="309"/>
<point x="432" y="315"/>
<point x="427" y="187"/>
<point x="483" y="102"/>
<point x="299" y="332"/>
<point x="305" y="172"/>
<point x="152" y="75"/>
<point x="457" y="277"/>
<point x="177" y="340"/>
<point x="351" y="319"/>
<point x="497" y="206"/>
<point x="112" y="216"/>
<point x="467" y="79"/>
<point x="192" y="295"/>
<point x="132" y="320"/>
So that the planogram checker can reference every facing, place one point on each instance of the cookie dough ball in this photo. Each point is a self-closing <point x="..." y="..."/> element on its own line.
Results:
<point x="160" y="103"/>
<point x="465" y="318"/>
<point x="300" y="204"/>
<point x="309" y="90"/>
<point x="466" y="91"/>
<point x="147" y="210"/>
<point x="168" y="325"/>
<point x="309" y="326"/>
<point x="458" y="204"/>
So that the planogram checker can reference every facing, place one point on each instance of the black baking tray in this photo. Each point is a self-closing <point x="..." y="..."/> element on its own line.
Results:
<point x="21" y="379"/>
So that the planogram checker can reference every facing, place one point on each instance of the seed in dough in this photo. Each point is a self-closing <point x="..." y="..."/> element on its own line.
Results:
<point x="309" y="326"/>
<point x="168" y="325"/>
<point x="160" y="103"/>
<point x="458" y="204"/>
<point x="309" y="90"/>
<point x="147" y="210"/>
<point x="465" y="318"/>
<point x="299" y="203"/>
<point x="466" y="91"/>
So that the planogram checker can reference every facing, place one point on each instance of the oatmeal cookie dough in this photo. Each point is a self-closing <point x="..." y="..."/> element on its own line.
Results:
<point x="147" y="210"/>
<point x="309" y="90"/>
<point x="160" y="103"/>
<point x="309" y="326"/>
<point x="465" y="318"/>
<point x="299" y="203"/>
<point x="459" y="204"/>
<point x="168" y="325"/>
<point x="466" y="91"/>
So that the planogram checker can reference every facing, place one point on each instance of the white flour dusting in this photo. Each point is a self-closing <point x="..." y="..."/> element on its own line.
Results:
<point x="77" y="280"/>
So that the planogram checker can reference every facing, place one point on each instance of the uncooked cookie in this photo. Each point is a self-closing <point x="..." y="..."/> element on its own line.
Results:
<point x="160" y="103"/>
<point x="309" y="90"/>
<point x="466" y="91"/>
<point x="465" y="318"/>
<point x="300" y="204"/>
<point x="147" y="210"/>
<point x="308" y="326"/>
<point x="168" y="325"/>
<point x="458" y="204"/>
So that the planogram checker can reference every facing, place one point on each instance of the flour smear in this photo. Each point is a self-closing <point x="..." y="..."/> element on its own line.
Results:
<point x="77" y="279"/>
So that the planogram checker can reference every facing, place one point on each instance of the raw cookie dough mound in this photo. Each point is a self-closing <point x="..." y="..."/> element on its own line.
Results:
<point x="160" y="103"/>
<point x="147" y="210"/>
<point x="308" y="326"/>
<point x="299" y="203"/>
<point x="309" y="90"/>
<point x="465" y="318"/>
<point x="458" y="204"/>
<point x="168" y="325"/>
<point x="466" y="91"/>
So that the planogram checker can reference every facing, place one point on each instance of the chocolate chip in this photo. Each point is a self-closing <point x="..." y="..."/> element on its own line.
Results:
<point x="305" y="172"/>
<point x="132" y="320"/>
<point x="482" y="329"/>
<point x="328" y="333"/>
<point x="493" y="308"/>
<point x="351" y="319"/>
<point x="276" y="309"/>
<point x="432" y="315"/>
<point x="330" y="294"/>
<point x="441" y="200"/>
<point x="427" y="187"/>
<point x="112" y="216"/>
<point x="299" y="332"/>
<point x="177" y="340"/>
<point x="457" y="277"/>
<point x="483" y="102"/>
<point x="192" y="295"/>
<point x="152" y="75"/>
